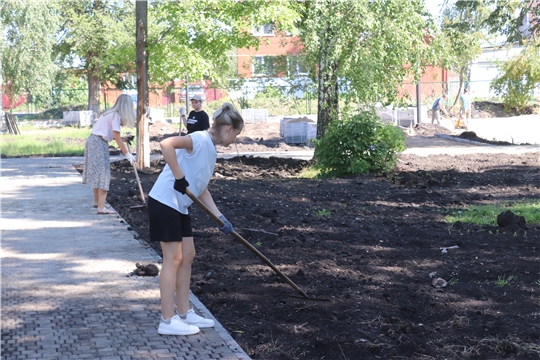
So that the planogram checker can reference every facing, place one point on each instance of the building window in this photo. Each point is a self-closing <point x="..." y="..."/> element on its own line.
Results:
<point x="296" y="66"/>
<point x="263" y="66"/>
<point x="264" y="30"/>
<point x="129" y="81"/>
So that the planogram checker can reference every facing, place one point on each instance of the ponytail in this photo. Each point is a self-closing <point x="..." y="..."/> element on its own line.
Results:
<point x="227" y="115"/>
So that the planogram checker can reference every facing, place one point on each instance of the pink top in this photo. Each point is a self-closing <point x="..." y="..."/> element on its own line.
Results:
<point x="106" y="124"/>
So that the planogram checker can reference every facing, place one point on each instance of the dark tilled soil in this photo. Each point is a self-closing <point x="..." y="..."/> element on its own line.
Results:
<point x="375" y="248"/>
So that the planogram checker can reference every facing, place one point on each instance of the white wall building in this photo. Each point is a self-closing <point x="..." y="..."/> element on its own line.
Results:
<point x="484" y="68"/>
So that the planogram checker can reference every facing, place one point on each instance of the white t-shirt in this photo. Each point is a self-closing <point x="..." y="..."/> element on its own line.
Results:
<point x="197" y="167"/>
<point x="106" y="124"/>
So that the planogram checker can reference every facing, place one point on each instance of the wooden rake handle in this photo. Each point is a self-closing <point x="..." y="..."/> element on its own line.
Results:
<point x="246" y="244"/>
<point x="137" y="177"/>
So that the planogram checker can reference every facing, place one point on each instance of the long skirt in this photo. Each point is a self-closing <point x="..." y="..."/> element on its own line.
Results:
<point x="97" y="166"/>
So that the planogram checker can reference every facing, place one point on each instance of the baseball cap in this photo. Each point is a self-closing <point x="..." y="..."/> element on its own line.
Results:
<point x="195" y="97"/>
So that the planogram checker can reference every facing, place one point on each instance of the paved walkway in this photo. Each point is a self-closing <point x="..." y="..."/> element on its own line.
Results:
<point x="65" y="293"/>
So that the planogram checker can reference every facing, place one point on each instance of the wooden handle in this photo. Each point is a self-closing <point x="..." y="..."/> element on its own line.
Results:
<point x="245" y="243"/>
<point x="137" y="177"/>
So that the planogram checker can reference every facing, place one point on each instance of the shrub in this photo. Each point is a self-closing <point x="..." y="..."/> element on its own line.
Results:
<point x="518" y="78"/>
<point x="360" y="144"/>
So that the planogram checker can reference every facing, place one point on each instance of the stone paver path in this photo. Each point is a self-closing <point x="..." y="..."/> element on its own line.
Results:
<point x="65" y="289"/>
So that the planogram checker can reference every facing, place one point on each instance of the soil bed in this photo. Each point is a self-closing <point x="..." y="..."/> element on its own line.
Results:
<point x="373" y="246"/>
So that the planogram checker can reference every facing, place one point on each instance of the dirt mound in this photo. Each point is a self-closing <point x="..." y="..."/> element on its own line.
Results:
<point x="488" y="109"/>
<point x="425" y="129"/>
<point x="471" y="135"/>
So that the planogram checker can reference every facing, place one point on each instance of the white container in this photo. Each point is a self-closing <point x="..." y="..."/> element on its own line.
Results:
<point x="282" y="125"/>
<point x="311" y="133"/>
<point x="155" y="114"/>
<point x="78" y="118"/>
<point x="252" y="116"/>
<point x="295" y="132"/>
<point x="424" y="115"/>
<point x="387" y="115"/>
<point x="300" y="118"/>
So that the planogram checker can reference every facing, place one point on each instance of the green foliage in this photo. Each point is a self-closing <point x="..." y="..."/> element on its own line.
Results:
<point x="270" y="92"/>
<point x="517" y="79"/>
<point x="323" y="213"/>
<point x="487" y="214"/>
<point x="96" y="40"/>
<point x="195" y="37"/>
<point x="374" y="45"/>
<point x="503" y="281"/>
<point x="359" y="144"/>
<point x="69" y="90"/>
<point x="101" y="33"/>
<point x="504" y="17"/>
<point x="28" y="37"/>
<point x="459" y="41"/>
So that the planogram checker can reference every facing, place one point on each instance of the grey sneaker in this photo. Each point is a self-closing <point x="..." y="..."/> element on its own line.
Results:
<point x="176" y="326"/>
<point x="199" y="321"/>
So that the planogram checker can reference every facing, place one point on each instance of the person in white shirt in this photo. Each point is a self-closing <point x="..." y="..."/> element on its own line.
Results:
<point x="190" y="161"/>
<point x="97" y="167"/>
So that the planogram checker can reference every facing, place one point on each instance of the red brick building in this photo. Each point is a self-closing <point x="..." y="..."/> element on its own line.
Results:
<point x="253" y="63"/>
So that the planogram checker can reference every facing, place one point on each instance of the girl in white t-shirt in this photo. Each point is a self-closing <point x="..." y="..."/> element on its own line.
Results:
<point x="190" y="162"/>
<point x="97" y="168"/>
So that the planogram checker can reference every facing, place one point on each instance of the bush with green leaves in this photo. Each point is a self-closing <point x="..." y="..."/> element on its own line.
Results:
<point x="359" y="144"/>
<point x="518" y="78"/>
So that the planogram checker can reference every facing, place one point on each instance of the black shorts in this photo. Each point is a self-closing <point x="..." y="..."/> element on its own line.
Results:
<point x="166" y="223"/>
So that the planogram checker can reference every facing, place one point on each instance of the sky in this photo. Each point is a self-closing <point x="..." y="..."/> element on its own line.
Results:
<point x="434" y="6"/>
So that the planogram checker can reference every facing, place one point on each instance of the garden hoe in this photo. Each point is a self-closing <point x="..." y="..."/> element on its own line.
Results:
<point x="128" y="142"/>
<point x="303" y="297"/>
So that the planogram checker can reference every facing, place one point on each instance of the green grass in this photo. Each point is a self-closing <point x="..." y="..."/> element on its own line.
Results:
<point x="62" y="141"/>
<point x="487" y="214"/>
<point x="323" y="213"/>
<point x="51" y="142"/>
<point x="504" y="281"/>
<point x="309" y="173"/>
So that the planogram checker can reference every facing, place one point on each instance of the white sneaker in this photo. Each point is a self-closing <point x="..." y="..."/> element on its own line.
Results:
<point x="199" y="321"/>
<point x="176" y="326"/>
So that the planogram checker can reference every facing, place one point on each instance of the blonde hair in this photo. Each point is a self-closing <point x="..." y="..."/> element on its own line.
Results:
<point x="124" y="107"/>
<point x="227" y="115"/>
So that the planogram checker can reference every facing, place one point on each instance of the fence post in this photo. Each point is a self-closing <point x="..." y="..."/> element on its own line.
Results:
<point x="418" y="103"/>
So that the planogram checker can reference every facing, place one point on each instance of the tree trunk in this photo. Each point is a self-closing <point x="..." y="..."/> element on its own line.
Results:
<point x="328" y="96"/>
<point x="94" y="84"/>
<point x="143" y="141"/>
<point x="459" y="90"/>
<point x="1" y="92"/>
<point x="462" y="76"/>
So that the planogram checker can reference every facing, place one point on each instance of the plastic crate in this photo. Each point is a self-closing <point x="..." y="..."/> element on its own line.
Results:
<point x="78" y="118"/>
<point x="252" y="116"/>
<point x="295" y="132"/>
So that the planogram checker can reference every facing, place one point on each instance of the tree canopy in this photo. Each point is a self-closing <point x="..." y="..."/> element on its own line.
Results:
<point x="195" y="37"/>
<point x="98" y="37"/>
<point x="363" y="50"/>
<point x="516" y="20"/>
<point x="460" y="37"/>
<point x="28" y="38"/>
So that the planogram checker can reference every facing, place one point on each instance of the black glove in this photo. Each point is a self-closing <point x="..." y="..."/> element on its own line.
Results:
<point x="129" y="139"/>
<point x="181" y="185"/>
<point x="227" y="226"/>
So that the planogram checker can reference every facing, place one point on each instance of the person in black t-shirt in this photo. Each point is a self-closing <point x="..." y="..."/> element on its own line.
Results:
<point x="197" y="119"/>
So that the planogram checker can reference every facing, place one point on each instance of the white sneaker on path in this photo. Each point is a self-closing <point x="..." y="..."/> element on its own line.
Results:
<point x="193" y="319"/>
<point x="176" y="326"/>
